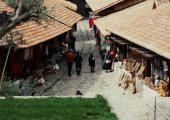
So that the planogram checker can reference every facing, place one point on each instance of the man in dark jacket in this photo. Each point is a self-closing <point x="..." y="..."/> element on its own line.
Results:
<point x="92" y="62"/>
<point x="78" y="60"/>
<point x="73" y="39"/>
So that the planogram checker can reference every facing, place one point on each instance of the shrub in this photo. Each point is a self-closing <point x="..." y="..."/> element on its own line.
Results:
<point x="9" y="89"/>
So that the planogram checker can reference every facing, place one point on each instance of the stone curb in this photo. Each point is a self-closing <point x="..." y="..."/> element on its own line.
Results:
<point x="40" y="97"/>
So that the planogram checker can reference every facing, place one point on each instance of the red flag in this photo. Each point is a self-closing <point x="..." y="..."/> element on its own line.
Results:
<point x="154" y="5"/>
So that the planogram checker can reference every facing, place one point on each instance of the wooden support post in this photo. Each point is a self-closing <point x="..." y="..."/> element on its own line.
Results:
<point x="3" y="71"/>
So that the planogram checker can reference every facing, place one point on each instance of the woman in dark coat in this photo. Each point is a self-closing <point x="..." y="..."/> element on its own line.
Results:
<point x="92" y="62"/>
<point x="107" y="62"/>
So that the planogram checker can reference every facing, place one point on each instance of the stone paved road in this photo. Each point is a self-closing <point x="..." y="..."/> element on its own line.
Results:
<point x="127" y="107"/>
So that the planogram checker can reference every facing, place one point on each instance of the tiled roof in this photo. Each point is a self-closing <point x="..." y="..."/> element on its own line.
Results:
<point x="62" y="13"/>
<point x="68" y="4"/>
<point x="101" y="27"/>
<point x="99" y="5"/>
<point x="34" y="33"/>
<point x="140" y="24"/>
<point x="4" y="7"/>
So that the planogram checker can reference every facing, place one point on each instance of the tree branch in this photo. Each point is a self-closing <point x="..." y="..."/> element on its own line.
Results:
<point x="16" y="21"/>
<point x="18" y="11"/>
<point x="25" y="10"/>
<point x="3" y="72"/>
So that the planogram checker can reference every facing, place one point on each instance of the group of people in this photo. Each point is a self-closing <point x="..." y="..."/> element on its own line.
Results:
<point x="77" y="59"/>
<point x="108" y="57"/>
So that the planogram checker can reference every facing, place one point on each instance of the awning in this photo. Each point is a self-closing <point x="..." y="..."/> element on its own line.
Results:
<point x="144" y="52"/>
<point x="120" y="41"/>
<point x="109" y="41"/>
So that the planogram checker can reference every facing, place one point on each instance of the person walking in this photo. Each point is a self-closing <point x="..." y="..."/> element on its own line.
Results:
<point x="102" y="54"/>
<point x="70" y="60"/>
<point x="68" y="40"/>
<point x="107" y="62"/>
<point x="112" y="55"/>
<point x="73" y="39"/>
<point x="92" y="62"/>
<point x="78" y="60"/>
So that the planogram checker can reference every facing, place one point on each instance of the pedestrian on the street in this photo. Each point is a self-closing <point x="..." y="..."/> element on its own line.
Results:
<point x="68" y="40"/>
<point x="107" y="62"/>
<point x="70" y="60"/>
<point x="92" y="62"/>
<point x="78" y="60"/>
<point x="102" y="54"/>
<point x="73" y="39"/>
<point x="112" y="55"/>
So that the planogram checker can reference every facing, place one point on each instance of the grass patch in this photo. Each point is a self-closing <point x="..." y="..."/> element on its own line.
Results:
<point x="56" y="109"/>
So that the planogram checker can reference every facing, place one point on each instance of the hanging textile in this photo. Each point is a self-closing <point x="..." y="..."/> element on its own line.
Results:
<point x="28" y="54"/>
<point x="41" y="47"/>
<point x="16" y="65"/>
<point x="21" y="55"/>
<point x="93" y="32"/>
<point x="165" y="66"/>
<point x="97" y="32"/>
<point x="36" y="54"/>
<point x="46" y="50"/>
<point x="91" y="22"/>
<point x="68" y="40"/>
<point x="31" y="53"/>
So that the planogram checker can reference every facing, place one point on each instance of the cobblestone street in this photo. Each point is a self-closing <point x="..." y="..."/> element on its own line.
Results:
<point x="119" y="51"/>
<point x="127" y="107"/>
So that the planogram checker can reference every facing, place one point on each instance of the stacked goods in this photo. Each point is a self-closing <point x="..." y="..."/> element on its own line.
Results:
<point x="124" y="82"/>
<point x="162" y="89"/>
<point x="130" y="64"/>
<point x="132" y="87"/>
<point x="140" y="72"/>
<point x="128" y="83"/>
<point x="136" y="67"/>
<point x="125" y="61"/>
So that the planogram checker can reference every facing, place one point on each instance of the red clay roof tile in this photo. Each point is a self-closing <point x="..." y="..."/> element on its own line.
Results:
<point x="34" y="33"/>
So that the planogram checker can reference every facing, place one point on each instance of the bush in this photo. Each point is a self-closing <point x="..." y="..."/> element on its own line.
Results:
<point x="26" y="88"/>
<point x="9" y="89"/>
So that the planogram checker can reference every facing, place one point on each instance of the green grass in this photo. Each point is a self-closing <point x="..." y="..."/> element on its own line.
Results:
<point x="56" y="109"/>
